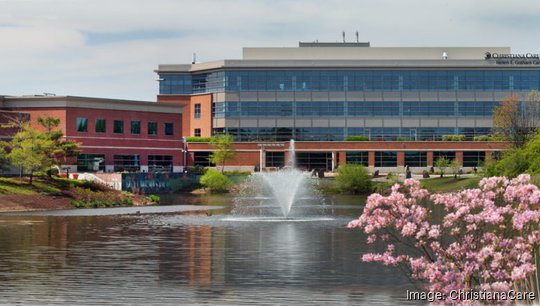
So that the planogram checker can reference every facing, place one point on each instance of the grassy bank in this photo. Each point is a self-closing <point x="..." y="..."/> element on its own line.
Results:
<point x="449" y="184"/>
<point x="60" y="193"/>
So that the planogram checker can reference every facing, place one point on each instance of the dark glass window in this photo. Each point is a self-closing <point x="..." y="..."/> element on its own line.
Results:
<point x="168" y="127"/>
<point x="130" y="163"/>
<point x="385" y="159"/>
<point x="160" y="163"/>
<point x="312" y="160"/>
<point x="202" y="159"/>
<point x="90" y="162"/>
<point x="197" y="132"/>
<point x="275" y="159"/>
<point x="473" y="158"/>
<point x="118" y="126"/>
<point x="135" y="127"/>
<point x="82" y="125"/>
<point x="351" y="80"/>
<point x="450" y="155"/>
<point x="101" y="126"/>
<point x="152" y="128"/>
<point x="197" y="110"/>
<point x="358" y="157"/>
<point x="416" y="159"/>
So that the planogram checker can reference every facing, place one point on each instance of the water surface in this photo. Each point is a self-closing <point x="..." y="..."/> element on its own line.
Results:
<point x="179" y="255"/>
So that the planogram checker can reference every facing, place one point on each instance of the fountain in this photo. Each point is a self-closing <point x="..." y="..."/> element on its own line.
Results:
<point x="265" y="192"/>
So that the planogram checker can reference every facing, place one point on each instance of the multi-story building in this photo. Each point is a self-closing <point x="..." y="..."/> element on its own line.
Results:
<point x="114" y="135"/>
<point x="402" y="99"/>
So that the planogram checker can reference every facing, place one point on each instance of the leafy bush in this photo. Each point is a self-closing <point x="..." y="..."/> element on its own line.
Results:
<point x="198" y="139"/>
<point x="357" y="138"/>
<point x="197" y="169"/>
<point x="453" y="138"/>
<point x="488" y="138"/>
<point x="516" y="161"/>
<point x="215" y="181"/>
<point x="154" y="198"/>
<point x="353" y="179"/>
<point x="402" y="139"/>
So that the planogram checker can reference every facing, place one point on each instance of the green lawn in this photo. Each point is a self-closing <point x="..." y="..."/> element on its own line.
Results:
<point x="449" y="184"/>
<point x="39" y="186"/>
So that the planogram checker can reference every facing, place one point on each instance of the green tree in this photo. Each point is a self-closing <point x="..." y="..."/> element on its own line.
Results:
<point x="454" y="166"/>
<point x="216" y="182"/>
<point x="62" y="148"/>
<point x="442" y="163"/>
<point x="517" y="161"/>
<point x="353" y="178"/>
<point x="224" y="150"/>
<point x="29" y="149"/>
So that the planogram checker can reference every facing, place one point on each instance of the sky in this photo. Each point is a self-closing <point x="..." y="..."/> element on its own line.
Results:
<point x="110" y="49"/>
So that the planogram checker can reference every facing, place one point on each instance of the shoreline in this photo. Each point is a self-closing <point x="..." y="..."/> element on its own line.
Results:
<point x="33" y="202"/>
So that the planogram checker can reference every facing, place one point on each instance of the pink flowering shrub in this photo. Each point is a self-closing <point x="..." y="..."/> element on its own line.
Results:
<point x="476" y="239"/>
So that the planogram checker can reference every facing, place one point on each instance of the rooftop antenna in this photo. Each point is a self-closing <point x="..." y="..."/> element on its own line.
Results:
<point x="357" y="37"/>
<point x="343" y="34"/>
<point x="194" y="60"/>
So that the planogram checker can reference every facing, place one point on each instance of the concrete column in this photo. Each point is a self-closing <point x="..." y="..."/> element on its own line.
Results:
<point x="334" y="160"/>
<point x="262" y="159"/>
<point x="459" y="158"/>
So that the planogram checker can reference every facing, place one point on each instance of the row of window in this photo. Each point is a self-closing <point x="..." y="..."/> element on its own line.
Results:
<point x="414" y="158"/>
<point x="353" y="109"/>
<point x="131" y="163"/>
<point x="341" y="133"/>
<point x="118" y="127"/>
<point x="351" y="80"/>
<point x="323" y="160"/>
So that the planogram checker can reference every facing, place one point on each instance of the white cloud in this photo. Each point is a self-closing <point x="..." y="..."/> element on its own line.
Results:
<point x="50" y="46"/>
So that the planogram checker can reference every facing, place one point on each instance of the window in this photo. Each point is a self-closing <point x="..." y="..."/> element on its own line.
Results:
<point x="90" y="162"/>
<point x="101" y="126"/>
<point x="135" y="127"/>
<point x="275" y="159"/>
<point x="202" y="159"/>
<point x="197" y="132"/>
<point x="197" y="110"/>
<point x="152" y="128"/>
<point x="416" y="159"/>
<point x="473" y="158"/>
<point x="385" y="159"/>
<point x="160" y="163"/>
<point x="118" y="127"/>
<point x="82" y="125"/>
<point x="129" y="163"/>
<point x="312" y="160"/>
<point x="168" y="128"/>
<point x="449" y="155"/>
<point x="358" y="157"/>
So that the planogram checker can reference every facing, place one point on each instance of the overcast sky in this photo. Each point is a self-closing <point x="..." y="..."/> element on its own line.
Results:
<point x="110" y="48"/>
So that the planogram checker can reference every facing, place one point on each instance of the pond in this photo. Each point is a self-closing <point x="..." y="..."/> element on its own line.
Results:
<point x="197" y="252"/>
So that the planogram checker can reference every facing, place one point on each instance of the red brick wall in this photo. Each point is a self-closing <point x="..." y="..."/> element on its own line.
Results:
<point x="190" y="123"/>
<point x="248" y="153"/>
<point x="109" y="143"/>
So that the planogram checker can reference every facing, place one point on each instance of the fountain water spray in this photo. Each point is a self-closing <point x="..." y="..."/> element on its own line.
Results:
<point x="286" y="183"/>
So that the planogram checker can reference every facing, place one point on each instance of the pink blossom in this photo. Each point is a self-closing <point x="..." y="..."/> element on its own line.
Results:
<point x="487" y="234"/>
